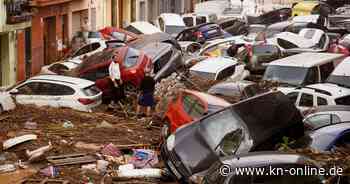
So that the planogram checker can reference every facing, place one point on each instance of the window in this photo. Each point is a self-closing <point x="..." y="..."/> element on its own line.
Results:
<point x="201" y="20"/>
<point x="293" y="96"/>
<point x="306" y="100"/>
<point x="318" y="121"/>
<point x="312" y="76"/>
<point x="29" y="89"/>
<point x="91" y="91"/>
<point x="231" y="141"/>
<point x="286" y="44"/>
<point x="197" y="110"/>
<point x="343" y="100"/>
<point x="326" y="70"/>
<point x="131" y="58"/>
<point x="162" y="61"/>
<point x="321" y="101"/>
<point x="188" y="101"/>
<point x="50" y="89"/>
<point x="322" y="41"/>
<point x="86" y="49"/>
<point x="228" y="72"/>
<point x="188" y="21"/>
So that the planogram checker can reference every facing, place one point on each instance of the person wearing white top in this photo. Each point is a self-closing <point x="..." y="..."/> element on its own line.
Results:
<point x="117" y="83"/>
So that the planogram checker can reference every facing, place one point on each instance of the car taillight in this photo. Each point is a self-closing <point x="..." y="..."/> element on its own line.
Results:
<point x="86" y="101"/>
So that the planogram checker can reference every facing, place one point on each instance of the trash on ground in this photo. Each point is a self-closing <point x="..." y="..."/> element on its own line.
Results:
<point x="50" y="171"/>
<point x="111" y="150"/>
<point x="88" y="146"/>
<point x="18" y="140"/>
<point x="143" y="158"/>
<point x="30" y="125"/>
<point x="35" y="154"/>
<point x="104" y="124"/>
<point x="68" y="124"/>
<point x="128" y="171"/>
<point x="7" y="168"/>
<point x="71" y="159"/>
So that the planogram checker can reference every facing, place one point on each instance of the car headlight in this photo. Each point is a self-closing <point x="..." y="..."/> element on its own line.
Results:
<point x="170" y="143"/>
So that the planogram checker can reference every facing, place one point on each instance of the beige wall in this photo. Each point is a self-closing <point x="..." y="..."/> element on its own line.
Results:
<point x="8" y="59"/>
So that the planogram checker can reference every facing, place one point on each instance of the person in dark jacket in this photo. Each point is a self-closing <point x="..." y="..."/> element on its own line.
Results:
<point x="146" y="96"/>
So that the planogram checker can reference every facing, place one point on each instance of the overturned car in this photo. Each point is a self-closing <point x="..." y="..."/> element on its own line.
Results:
<point x="237" y="129"/>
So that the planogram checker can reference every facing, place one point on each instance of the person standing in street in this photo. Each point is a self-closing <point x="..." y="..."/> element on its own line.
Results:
<point x="116" y="83"/>
<point x="146" y="95"/>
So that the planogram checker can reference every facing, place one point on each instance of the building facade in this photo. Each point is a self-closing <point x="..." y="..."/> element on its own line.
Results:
<point x="15" y="23"/>
<point x="55" y="22"/>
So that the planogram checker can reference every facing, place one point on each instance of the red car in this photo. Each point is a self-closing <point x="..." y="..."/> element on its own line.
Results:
<point x="189" y="106"/>
<point x="133" y="64"/>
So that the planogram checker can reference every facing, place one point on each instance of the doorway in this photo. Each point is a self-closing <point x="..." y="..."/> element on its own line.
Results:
<point x="28" y="52"/>
<point x="50" y="40"/>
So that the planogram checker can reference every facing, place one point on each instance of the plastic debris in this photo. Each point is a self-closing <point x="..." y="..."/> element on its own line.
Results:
<point x="18" y="140"/>
<point x="30" y="125"/>
<point x="143" y="158"/>
<point x="68" y="124"/>
<point x="111" y="150"/>
<point x="129" y="171"/>
<point x="104" y="124"/>
<point x="7" y="168"/>
<point x="35" y="154"/>
<point x="50" y="171"/>
<point x="102" y="166"/>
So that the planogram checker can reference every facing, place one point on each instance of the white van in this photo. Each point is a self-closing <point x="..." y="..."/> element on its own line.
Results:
<point x="341" y="74"/>
<point x="302" y="69"/>
<point x="170" y="23"/>
<point x="193" y="19"/>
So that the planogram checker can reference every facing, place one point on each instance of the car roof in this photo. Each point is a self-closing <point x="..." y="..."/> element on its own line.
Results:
<point x="145" y="27"/>
<point x="70" y="81"/>
<point x="210" y="99"/>
<point x="296" y="39"/>
<point x="262" y="158"/>
<point x="327" y="108"/>
<point x="306" y="18"/>
<point x="214" y="65"/>
<point x="172" y="19"/>
<point x="343" y="68"/>
<point x="333" y="129"/>
<point x="313" y="59"/>
<point x="335" y="90"/>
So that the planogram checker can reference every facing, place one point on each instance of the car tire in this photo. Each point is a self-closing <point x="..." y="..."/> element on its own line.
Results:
<point x="166" y="129"/>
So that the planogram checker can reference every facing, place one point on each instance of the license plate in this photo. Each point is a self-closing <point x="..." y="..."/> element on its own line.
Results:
<point x="173" y="169"/>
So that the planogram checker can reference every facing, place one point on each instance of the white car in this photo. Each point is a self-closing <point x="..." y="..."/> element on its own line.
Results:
<point x="58" y="91"/>
<point x="170" y="23"/>
<point x="341" y="74"/>
<point x="78" y="56"/>
<point x="193" y="19"/>
<point x="219" y="68"/>
<point x="142" y="27"/>
<point x="6" y="102"/>
<point x="319" y="95"/>
<point x="308" y="39"/>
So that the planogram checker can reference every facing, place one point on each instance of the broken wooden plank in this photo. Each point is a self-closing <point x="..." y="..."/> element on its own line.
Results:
<point x="44" y="181"/>
<point x="71" y="159"/>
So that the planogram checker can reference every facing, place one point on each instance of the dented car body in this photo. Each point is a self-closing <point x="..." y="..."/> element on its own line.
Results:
<point x="234" y="130"/>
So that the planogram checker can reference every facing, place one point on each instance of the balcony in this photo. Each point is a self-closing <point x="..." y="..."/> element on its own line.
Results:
<point x="17" y="11"/>
<point x="43" y="3"/>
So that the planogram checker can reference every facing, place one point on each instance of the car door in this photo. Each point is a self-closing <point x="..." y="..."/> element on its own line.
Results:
<point x="47" y="95"/>
<point x="306" y="102"/>
<point x="63" y="96"/>
<point x="25" y="93"/>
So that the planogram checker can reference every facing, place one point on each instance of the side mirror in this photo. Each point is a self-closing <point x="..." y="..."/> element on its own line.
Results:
<point x="14" y="92"/>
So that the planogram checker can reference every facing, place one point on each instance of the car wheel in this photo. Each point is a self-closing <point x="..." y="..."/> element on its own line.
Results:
<point x="166" y="129"/>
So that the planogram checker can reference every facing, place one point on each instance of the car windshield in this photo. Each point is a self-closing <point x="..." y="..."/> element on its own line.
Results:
<point x="217" y="126"/>
<point x="286" y="74"/>
<point x="174" y="29"/>
<point x="131" y="58"/>
<point x="340" y="80"/>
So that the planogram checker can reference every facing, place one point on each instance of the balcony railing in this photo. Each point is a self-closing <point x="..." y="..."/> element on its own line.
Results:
<point x="43" y="3"/>
<point x="17" y="11"/>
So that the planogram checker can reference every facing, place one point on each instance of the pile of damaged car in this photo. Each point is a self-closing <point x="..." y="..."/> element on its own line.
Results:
<point x="230" y="92"/>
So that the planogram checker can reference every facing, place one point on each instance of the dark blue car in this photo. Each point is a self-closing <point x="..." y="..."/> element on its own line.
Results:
<point x="202" y="33"/>
<point x="328" y="137"/>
